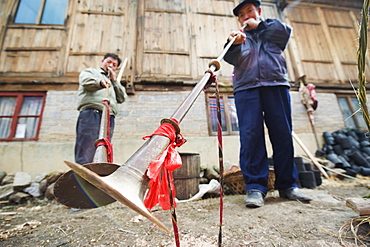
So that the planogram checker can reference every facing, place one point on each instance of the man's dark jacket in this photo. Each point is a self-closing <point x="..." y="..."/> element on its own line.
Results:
<point x="258" y="61"/>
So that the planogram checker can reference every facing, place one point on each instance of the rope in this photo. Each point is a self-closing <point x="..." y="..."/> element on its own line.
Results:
<point x="174" y="218"/>
<point x="361" y="63"/>
<point x="161" y="185"/>
<point x="105" y="141"/>
<point x="220" y="159"/>
<point x="213" y="79"/>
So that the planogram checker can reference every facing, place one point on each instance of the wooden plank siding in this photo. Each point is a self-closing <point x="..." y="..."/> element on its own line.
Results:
<point x="166" y="44"/>
<point x="23" y="46"/>
<point x="324" y="43"/>
<point x="164" y="53"/>
<point x="172" y="41"/>
<point x="100" y="26"/>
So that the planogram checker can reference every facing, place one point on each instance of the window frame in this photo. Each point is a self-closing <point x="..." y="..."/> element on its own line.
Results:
<point x="223" y="95"/>
<point x="352" y="108"/>
<point x="19" y="100"/>
<point x="39" y="16"/>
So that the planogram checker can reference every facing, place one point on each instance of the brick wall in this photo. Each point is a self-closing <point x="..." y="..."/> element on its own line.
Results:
<point x="327" y="117"/>
<point x="140" y="115"/>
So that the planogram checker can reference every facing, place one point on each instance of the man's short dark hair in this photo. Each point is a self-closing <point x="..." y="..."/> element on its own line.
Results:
<point x="112" y="55"/>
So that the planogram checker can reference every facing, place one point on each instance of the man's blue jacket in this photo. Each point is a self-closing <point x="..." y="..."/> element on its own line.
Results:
<point x="258" y="61"/>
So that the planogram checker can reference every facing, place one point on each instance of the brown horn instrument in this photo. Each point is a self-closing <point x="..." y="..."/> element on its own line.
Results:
<point x="128" y="183"/>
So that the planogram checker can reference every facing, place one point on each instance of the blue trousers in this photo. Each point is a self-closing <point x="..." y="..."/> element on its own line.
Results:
<point x="269" y="105"/>
<point x="87" y="132"/>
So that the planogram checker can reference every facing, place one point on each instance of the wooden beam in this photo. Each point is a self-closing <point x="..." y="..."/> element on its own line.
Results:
<point x="167" y="52"/>
<point x="359" y="205"/>
<point x="102" y="13"/>
<point x="164" y="11"/>
<point x="33" y="49"/>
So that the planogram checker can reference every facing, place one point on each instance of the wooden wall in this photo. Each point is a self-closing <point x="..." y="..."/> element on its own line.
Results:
<point x="324" y="43"/>
<point x="98" y="27"/>
<point x="169" y="41"/>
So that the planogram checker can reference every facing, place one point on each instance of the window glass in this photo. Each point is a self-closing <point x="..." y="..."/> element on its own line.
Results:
<point x="27" y="11"/>
<point x="7" y="107"/>
<point x="347" y="113"/>
<point x="213" y="112"/>
<point x="358" y="114"/>
<point x="26" y="127"/>
<point x="5" y="127"/>
<point x="20" y="115"/>
<point x="232" y="113"/>
<point x="54" y="12"/>
<point x="51" y="12"/>
<point x="31" y="106"/>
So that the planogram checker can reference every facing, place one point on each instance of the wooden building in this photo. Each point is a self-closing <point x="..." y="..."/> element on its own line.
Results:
<point x="44" y="44"/>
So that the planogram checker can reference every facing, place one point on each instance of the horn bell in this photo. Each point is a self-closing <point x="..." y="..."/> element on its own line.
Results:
<point x="75" y="192"/>
<point x="128" y="184"/>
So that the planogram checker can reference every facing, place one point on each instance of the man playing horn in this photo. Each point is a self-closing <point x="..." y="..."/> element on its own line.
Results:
<point x="93" y="87"/>
<point x="261" y="89"/>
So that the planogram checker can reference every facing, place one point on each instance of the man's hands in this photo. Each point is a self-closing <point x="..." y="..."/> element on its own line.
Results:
<point x="105" y="83"/>
<point x="240" y="37"/>
<point x="112" y="77"/>
<point x="249" y="25"/>
<point x="112" y="74"/>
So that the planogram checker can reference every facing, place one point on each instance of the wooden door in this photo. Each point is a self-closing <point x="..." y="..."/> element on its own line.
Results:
<point x="99" y="27"/>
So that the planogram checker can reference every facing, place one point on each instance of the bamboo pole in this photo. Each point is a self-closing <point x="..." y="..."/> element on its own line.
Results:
<point x="309" y="154"/>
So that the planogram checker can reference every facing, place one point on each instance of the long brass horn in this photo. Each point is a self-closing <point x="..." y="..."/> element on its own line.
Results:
<point x="129" y="182"/>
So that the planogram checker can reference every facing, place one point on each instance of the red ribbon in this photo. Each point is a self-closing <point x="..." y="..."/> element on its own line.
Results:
<point x="109" y="148"/>
<point x="160" y="170"/>
<point x="105" y="141"/>
<point x="106" y="104"/>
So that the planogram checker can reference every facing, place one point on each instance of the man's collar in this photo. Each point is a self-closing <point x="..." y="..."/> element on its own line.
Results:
<point x="102" y="71"/>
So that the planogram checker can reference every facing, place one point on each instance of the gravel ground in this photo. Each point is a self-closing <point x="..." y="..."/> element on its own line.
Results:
<point x="278" y="223"/>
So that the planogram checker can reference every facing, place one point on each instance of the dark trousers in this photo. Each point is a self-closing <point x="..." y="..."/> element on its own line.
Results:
<point x="87" y="132"/>
<point x="269" y="105"/>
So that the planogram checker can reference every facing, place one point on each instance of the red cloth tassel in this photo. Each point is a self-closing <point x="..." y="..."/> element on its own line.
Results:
<point x="160" y="170"/>
<point x="105" y="141"/>
<point x="109" y="148"/>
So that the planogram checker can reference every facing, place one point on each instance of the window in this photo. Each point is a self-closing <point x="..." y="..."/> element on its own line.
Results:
<point x="50" y="12"/>
<point x="228" y="115"/>
<point x="20" y="115"/>
<point x="351" y="113"/>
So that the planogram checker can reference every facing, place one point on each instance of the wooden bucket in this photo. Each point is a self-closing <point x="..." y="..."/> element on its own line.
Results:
<point x="187" y="177"/>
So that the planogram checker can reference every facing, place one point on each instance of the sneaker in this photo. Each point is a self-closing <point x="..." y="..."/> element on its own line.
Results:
<point x="254" y="199"/>
<point x="294" y="194"/>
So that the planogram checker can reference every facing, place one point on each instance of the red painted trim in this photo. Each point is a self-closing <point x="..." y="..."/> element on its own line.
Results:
<point x="20" y="97"/>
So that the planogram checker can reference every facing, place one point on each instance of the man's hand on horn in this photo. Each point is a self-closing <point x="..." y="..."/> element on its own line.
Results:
<point x="112" y="74"/>
<point x="105" y="83"/>
<point x="240" y="37"/>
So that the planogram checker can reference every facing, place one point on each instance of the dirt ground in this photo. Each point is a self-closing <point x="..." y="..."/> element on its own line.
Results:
<point x="278" y="223"/>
